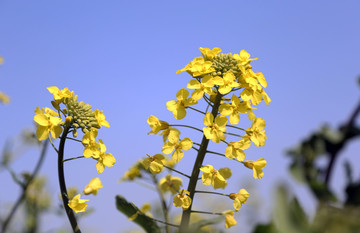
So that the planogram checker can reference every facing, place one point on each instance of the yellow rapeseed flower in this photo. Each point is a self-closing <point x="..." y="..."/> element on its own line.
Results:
<point x="77" y="204"/>
<point x="91" y="147"/>
<point x="256" y="132"/>
<point x="239" y="198"/>
<point x="4" y="98"/>
<point x="177" y="107"/>
<point x="93" y="186"/>
<point x="100" y="117"/>
<point x="47" y="123"/>
<point x="244" y="57"/>
<point x="226" y="83"/>
<point x="58" y="94"/>
<point x="198" y="67"/>
<point x="104" y="159"/>
<point x="170" y="184"/>
<point x="156" y="124"/>
<point x="214" y="130"/>
<point x="235" y="108"/>
<point x="229" y="219"/>
<point x="154" y="163"/>
<point x="256" y="166"/>
<point x="236" y="149"/>
<point x="182" y="199"/>
<point x="209" y="53"/>
<point x="216" y="178"/>
<point x="178" y="145"/>
<point x="205" y="86"/>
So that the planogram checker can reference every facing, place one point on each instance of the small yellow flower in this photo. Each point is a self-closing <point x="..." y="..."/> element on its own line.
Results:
<point x="256" y="132"/>
<point x="256" y="166"/>
<point x="236" y="149"/>
<point x="205" y="86"/>
<point x="209" y="53"/>
<point x="100" y="117"/>
<point x="244" y="57"/>
<point x="198" y="67"/>
<point x="156" y="125"/>
<point x="226" y="83"/>
<point x="174" y="144"/>
<point x="154" y="163"/>
<point x="77" y="204"/>
<point x="182" y="199"/>
<point x="170" y="184"/>
<point x="216" y="178"/>
<point x="93" y="186"/>
<point x="177" y="107"/>
<point x="91" y="147"/>
<point x="4" y="98"/>
<point x="133" y="172"/>
<point x="47" y="123"/>
<point x="59" y="95"/>
<point x="214" y="130"/>
<point x="104" y="159"/>
<point x="239" y="198"/>
<point x="229" y="219"/>
<point x="235" y="108"/>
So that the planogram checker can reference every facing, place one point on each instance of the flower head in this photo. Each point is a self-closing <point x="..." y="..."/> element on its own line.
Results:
<point x="3" y="97"/>
<point x="104" y="159"/>
<point x="178" y="145"/>
<point x="182" y="199"/>
<point x="77" y="204"/>
<point x="226" y="82"/>
<point x="47" y="123"/>
<point x="177" y="107"/>
<point x="100" y="117"/>
<point x="216" y="178"/>
<point x="235" y="108"/>
<point x="154" y="163"/>
<point x="198" y="67"/>
<point x="91" y="147"/>
<point x="156" y="125"/>
<point x="239" y="198"/>
<point x="58" y="94"/>
<point x="93" y="186"/>
<point x="229" y="219"/>
<point x="236" y="149"/>
<point x="256" y="166"/>
<point x="205" y="86"/>
<point x="256" y="132"/>
<point x="215" y="129"/>
<point x="170" y="184"/>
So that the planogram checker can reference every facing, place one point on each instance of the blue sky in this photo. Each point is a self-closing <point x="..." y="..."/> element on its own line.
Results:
<point x="121" y="57"/>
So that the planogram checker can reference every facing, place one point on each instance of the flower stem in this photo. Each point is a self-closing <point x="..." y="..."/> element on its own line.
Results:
<point x="174" y="170"/>
<point x="205" y="212"/>
<point x="197" y="110"/>
<point x="196" y="170"/>
<point x="235" y="127"/>
<point x="188" y="127"/>
<point x="163" y="203"/>
<point x="209" y="192"/>
<point x="25" y="187"/>
<point x="79" y="157"/>
<point x="70" y="214"/>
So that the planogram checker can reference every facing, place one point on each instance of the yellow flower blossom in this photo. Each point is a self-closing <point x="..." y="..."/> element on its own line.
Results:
<point x="226" y="83"/>
<point x="169" y="133"/>
<point x="59" y="95"/>
<point x="182" y="199"/>
<point x="256" y="166"/>
<point x="47" y="123"/>
<point x="4" y="98"/>
<point x="91" y="147"/>
<point x="236" y="149"/>
<point x="77" y="204"/>
<point x="176" y="144"/>
<point x="235" y="108"/>
<point x="93" y="186"/>
<point x="154" y="163"/>
<point x="229" y="219"/>
<point x="209" y="53"/>
<point x="104" y="159"/>
<point x="244" y="57"/>
<point x="214" y="130"/>
<point x="216" y="178"/>
<point x="198" y="67"/>
<point x="177" y="107"/>
<point x="156" y="124"/>
<point x="100" y="117"/>
<point x="133" y="172"/>
<point x="256" y="132"/>
<point x="205" y="86"/>
<point x="170" y="184"/>
<point x="239" y="198"/>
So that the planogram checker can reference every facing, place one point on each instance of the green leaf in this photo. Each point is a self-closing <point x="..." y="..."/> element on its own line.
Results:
<point x="129" y="209"/>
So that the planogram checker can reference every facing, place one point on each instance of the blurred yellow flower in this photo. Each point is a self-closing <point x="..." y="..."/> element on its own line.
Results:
<point x="229" y="219"/>
<point x="216" y="178"/>
<point x="154" y="163"/>
<point x="4" y="98"/>
<point x="77" y="204"/>
<point x="182" y="199"/>
<point x="93" y="186"/>
<point x="239" y="198"/>
<point x="170" y="184"/>
<point x="256" y="166"/>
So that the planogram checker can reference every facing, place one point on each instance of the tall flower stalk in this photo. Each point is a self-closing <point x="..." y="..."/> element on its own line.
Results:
<point x="65" y="121"/>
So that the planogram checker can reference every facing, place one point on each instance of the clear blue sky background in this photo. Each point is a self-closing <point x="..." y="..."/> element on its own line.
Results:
<point x="121" y="57"/>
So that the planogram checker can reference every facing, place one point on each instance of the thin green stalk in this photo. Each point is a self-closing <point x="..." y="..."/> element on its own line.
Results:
<point x="174" y="170"/>
<point x="63" y="191"/>
<point x="79" y="157"/>
<point x="209" y="192"/>
<point x="231" y="126"/>
<point x="237" y="135"/>
<point x="196" y="170"/>
<point x="163" y="203"/>
<point x="25" y="187"/>
<point x="187" y="126"/>
<point x="196" y="110"/>
<point x="74" y="139"/>
<point x="205" y="212"/>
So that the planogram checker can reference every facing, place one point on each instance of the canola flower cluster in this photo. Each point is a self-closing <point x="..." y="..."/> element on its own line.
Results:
<point x="70" y="116"/>
<point x="230" y="87"/>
